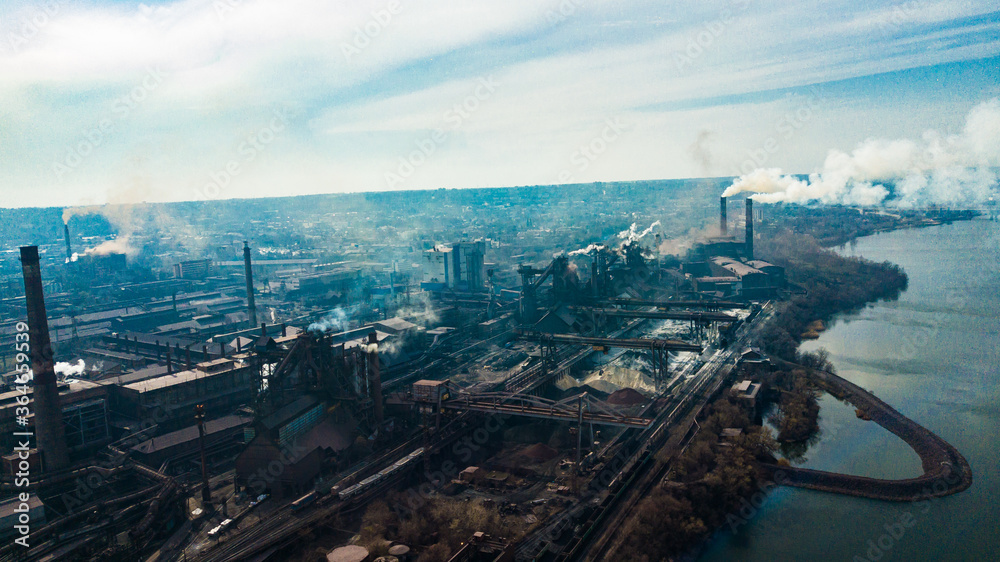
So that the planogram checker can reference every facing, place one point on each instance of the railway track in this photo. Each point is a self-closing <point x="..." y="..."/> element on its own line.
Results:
<point x="597" y="536"/>
<point x="284" y="526"/>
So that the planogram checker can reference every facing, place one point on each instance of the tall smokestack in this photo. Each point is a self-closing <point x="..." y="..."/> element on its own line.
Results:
<point x="375" y="376"/>
<point x="251" y="307"/>
<point x="50" y="437"/>
<point x="595" y="289"/>
<point x="723" y="221"/>
<point x="69" y="247"/>
<point x="749" y="235"/>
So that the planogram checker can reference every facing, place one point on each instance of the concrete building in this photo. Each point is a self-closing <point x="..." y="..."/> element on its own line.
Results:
<point x="9" y="515"/>
<point x="84" y="415"/>
<point x="219" y="433"/>
<point x="746" y="392"/>
<point x="277" y="441"/>
<point x="460" y="267"/>
<point x="193" y="269"/>
<point x="220" y="385"/>
<point x="774" y="272"/>
<point x="754" y="283"/>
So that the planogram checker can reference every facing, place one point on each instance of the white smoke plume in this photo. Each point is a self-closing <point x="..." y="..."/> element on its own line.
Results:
<point x="630" y="234"/>
<point x="335" y="321"/>
<point x="587" y="250"/>
<point x="119" y="245"/>
<point x="420" y="309"/>
<point x="69" y="370"/>
<point x="958" y="169"/>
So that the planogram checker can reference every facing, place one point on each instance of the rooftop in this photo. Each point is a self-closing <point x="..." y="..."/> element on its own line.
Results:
<point x="179" y="377"/>
<point x="190" y="433"/>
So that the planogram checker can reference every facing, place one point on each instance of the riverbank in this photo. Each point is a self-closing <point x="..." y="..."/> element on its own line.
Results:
<point x="946" y="471"/>
<point x="932" y="355"/>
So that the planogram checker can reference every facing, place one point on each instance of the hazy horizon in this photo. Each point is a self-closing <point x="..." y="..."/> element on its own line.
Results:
<point x="124" y="102"/>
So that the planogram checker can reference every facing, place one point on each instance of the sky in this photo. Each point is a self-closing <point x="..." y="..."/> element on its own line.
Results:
<point x="123" y="102"/>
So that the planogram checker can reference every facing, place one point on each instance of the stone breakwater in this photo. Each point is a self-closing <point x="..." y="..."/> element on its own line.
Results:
<point x="946" y="471"/>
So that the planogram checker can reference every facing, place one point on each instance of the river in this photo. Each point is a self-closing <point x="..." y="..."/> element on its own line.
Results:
<point x="933" y="355"/>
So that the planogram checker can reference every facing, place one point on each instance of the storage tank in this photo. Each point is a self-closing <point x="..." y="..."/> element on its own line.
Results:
<point x="351" y="553"/>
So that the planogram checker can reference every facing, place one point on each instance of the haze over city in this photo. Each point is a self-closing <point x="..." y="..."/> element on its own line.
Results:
<point x="499" y="281"/>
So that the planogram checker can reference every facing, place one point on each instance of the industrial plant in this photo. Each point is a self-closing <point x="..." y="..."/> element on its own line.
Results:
<point x="248" y="407"/>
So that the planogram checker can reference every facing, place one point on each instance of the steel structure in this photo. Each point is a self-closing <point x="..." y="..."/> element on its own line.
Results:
<point x="659" y="348"/>
<point x="707" y="305"/>
<point x="700" y="317"/>
<point x="629" y="343"/>
<point x="582" y="408"/>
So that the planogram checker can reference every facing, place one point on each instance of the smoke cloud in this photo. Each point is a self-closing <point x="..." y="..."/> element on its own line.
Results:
<point x="940" y="169"/>
<point x="335" y="321"/>
<point x="701" y="153"/>
<point x="631" y="235"/>
<point x="119" y="245"/>
<point x="587" y="250"/>
<point x="69" y="370"/>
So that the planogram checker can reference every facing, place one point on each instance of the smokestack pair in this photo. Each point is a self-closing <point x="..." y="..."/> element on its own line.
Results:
<point x="50" y="436"/>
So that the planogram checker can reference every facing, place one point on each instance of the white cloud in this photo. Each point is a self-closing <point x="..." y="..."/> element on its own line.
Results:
<point x="559" y="79"/>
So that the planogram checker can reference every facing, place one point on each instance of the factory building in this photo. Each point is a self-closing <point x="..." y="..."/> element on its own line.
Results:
<point x="10" y="512"/>
<point x="220" y="433"/>
<point x="753" y="283"/>
<point x="84" y="415"/>
<point x="221" y="385"/>
<point x="296" y="438"/>
<point x="459" y="267"/>
<point x="774" y="272"/>
<point x="193" y="269"/>
<point x="339" y="279"/>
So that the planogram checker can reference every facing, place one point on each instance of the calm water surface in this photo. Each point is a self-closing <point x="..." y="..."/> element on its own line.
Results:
<point x="933" y="355"/>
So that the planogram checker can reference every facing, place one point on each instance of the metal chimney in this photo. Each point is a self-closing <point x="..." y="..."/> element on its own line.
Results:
<point x="375" y="376"/>
<point x="69" y="247"/>
<point x="251" y="307"/>
<point x="723" y="221"/>
<point x="50" y="436"/>
<point x="749" y="234"/>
